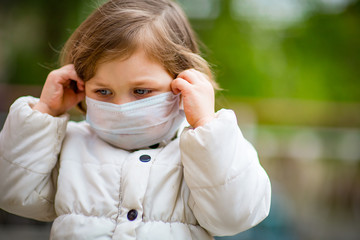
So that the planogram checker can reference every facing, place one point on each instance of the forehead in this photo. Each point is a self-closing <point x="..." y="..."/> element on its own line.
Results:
<point x="136" y="68"/>
<point x="137" y="62"/>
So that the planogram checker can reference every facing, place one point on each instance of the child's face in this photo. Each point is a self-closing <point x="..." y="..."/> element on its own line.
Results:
<point x="123" y="81"/>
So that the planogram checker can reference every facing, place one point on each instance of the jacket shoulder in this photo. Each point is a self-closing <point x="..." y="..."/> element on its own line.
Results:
<point x="81" y="128"/>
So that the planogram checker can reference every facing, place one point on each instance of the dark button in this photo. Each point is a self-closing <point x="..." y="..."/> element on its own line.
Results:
<point x="132" y="215"/>
<point x="145" y="158"/>
<point x="154" y="146"/>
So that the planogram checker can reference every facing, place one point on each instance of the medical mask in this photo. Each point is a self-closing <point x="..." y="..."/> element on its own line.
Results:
<point x="136" y="124"/>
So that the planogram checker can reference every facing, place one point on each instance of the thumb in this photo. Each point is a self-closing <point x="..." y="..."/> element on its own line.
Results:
<point x="179" y="85"/>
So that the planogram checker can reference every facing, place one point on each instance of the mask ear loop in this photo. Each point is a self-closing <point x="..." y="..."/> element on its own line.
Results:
<point x="181" y="103"/>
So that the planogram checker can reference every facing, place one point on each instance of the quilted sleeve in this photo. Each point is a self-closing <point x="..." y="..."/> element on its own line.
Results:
<point x="230" y="191"/>
<point x="30" y="143"/>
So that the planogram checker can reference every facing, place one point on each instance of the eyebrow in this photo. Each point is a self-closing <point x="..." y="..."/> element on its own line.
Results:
<point x="137" y="82"/>
<point x="99" y="84"/>
<point x="145" y="81"/>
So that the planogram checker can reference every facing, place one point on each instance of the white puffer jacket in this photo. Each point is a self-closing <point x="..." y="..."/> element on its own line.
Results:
<point x="206" y="182"/>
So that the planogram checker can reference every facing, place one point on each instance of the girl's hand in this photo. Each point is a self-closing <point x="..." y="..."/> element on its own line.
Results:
<point x="57" y="96"/>
<point x="197" y="95"/>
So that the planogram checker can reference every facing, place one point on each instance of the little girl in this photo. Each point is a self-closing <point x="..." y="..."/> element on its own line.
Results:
<point x="152" y="160"/>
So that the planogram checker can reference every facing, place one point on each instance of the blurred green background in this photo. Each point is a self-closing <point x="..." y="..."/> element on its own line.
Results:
<point x="289" y="69"/>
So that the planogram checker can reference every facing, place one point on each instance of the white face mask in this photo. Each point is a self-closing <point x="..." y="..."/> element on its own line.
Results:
<point x="136" y="124"/>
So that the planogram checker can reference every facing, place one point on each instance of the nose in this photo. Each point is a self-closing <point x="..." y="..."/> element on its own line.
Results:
<point x="121" y="100"/>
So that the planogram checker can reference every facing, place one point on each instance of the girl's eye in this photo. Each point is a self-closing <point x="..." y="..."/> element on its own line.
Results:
<point x="103" y="92"/>
<point x="142" y="91"/>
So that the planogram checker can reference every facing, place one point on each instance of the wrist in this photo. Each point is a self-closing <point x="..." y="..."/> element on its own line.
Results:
<point x="44" y="108"/>
<point x="203" y="121"/>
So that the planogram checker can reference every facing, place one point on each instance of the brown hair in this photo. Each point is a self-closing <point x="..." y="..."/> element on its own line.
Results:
<point x="119" y="27"/>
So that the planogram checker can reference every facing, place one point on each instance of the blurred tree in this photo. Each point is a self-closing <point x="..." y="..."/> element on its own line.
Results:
<point x="33" y="33"/>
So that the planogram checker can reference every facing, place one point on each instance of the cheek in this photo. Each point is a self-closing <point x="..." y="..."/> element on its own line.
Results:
<point x="168" y="87"/>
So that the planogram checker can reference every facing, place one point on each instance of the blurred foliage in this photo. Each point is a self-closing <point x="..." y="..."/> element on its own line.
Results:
<point x="317" y="58"/>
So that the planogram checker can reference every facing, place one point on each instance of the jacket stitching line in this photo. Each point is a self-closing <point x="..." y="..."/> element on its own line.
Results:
<point x="25" y="168"/>
<point x="45" y="198"/>
<point x="171" y="222"/>
<point x="120" y="193"/>
<point x="83" y="215"/>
